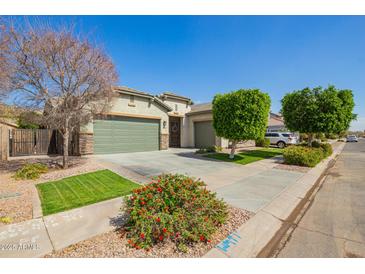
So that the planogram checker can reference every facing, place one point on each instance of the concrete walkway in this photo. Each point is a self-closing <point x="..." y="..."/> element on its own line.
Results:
<point x="38" y="237"/>
<point x="334" y="225"/>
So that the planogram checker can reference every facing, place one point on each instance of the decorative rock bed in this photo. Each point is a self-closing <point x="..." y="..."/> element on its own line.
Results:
<point x="16" y="196"/>
<point x="114" y="244"/>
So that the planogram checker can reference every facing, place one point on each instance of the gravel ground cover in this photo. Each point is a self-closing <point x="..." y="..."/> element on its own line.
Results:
<point x="114" y="244"/>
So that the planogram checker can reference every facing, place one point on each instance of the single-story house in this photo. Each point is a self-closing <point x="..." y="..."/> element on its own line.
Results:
<point x="139" y="121"/>
<point x="276" y="123"/>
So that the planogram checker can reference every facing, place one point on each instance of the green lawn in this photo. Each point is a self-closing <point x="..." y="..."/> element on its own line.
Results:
<point x="247" y="157"/>
<point x="81" y="190"/>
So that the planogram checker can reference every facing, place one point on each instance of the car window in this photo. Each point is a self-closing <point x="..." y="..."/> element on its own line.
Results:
<point x="275" y="134"/>
<point x="286" y="135"/>
<point x="268" y="135"/>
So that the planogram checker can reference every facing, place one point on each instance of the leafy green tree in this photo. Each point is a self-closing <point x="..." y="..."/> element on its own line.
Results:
<point x="241" y="115"/>
<point x="318" y="110"/>
<point x="29" y="120"/>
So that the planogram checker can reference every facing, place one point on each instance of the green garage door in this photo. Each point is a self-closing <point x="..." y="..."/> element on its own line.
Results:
<point x="124" y="134"/>
<point x="204" y="134"/>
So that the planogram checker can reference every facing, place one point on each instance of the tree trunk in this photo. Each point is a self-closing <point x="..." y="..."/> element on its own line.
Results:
<point x="233" y="149"/>
<point x="66" y="137"/>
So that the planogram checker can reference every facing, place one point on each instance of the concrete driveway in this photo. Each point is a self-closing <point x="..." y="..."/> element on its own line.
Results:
<point x="245" y="186"/>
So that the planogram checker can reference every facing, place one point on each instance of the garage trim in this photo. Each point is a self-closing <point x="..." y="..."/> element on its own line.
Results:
<point x="121" y="137"/>
<point x="132" y="115"/>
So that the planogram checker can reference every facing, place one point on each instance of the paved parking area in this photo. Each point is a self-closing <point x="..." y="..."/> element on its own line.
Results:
<point x="245" y="186"/>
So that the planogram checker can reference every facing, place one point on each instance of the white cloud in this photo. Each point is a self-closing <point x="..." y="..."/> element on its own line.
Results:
<point x="359" y="124"/>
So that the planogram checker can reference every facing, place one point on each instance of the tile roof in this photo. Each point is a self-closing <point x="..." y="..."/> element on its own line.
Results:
<point x="174" y="95"/>
<point x="128" y="90"/>
<point x="205" y="107"/>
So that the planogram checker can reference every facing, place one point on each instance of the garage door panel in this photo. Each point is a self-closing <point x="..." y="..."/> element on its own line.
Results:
<point x="125" y="134"/>
<point x="204" y="134"/>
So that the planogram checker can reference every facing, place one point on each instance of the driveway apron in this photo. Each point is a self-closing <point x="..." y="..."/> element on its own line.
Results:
<point x="248" y="187"/>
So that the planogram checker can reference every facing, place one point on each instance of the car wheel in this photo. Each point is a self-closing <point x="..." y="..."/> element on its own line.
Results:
<point x="281" y="144"/>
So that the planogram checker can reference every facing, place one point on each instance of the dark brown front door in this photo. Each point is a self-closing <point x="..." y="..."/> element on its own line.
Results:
<point x="174" y="132"/>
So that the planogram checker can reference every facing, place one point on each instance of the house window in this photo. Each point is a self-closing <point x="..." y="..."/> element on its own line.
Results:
<point x="175" y="107"/>
<point x="131" y="101"/>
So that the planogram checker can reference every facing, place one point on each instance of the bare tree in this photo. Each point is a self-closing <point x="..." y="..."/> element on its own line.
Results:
<point x="67" y="75"/>
<point x="5" y="69"/>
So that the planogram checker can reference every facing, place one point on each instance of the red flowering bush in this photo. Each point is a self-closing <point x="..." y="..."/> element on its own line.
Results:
<point x="176" y="208"/>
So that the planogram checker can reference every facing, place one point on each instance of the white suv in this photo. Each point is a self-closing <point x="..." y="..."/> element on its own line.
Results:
<point x="281" y="139"/>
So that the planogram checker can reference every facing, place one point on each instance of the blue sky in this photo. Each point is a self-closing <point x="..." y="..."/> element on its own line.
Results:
<point x="199" y="56"/>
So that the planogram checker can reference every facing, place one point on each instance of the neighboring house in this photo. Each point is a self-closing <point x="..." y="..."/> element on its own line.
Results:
<point x="276" y="123"/>
<point x="139" y="121"/>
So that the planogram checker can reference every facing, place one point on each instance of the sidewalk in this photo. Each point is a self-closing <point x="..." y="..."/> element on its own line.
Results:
<point x="38" y="237"/>
<point x="251" y="239"/>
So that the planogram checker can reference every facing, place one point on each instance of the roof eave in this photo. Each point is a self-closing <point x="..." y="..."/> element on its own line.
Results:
<point x="198" y="112"/>
<point x="128" y="92"/>
<point x="157" y="100"/>
<point x="177" y="97"/>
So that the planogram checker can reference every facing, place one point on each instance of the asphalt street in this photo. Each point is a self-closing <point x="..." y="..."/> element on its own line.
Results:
<point x="334" y="225"/>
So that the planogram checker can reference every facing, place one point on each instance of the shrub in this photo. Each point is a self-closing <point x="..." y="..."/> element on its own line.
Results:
<point x="303" y="137"/>
<point x="209" y="149"/>
<point x="31" y="171"/>
<point x="327" y="149"/>
<point x="218" y="149"/>
<point x="6" y="220"/>
<point x="316" y="144"/>
<point x="303" y="156"/>
<point x="264" y="142"/>
<point x="176" y="208"/>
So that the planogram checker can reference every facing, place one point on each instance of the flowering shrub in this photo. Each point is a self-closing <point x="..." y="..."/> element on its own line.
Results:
<point x="176" y="208"/>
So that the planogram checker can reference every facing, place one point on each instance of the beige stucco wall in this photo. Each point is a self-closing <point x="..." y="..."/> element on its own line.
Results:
<point x="189" y="137"/>
<point x="142" y="107"/>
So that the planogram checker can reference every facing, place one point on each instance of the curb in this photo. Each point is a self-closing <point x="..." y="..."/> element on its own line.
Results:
<point x="253" y="239"/>
<point x="37" y="208"/>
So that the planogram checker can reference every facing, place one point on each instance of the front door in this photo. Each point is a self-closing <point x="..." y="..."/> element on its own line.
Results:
<point x="174" y="132"/>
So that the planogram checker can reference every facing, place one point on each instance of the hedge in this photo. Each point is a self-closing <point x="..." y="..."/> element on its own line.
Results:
<point x="307" y="156"/>
<point x="264" y="142"/>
